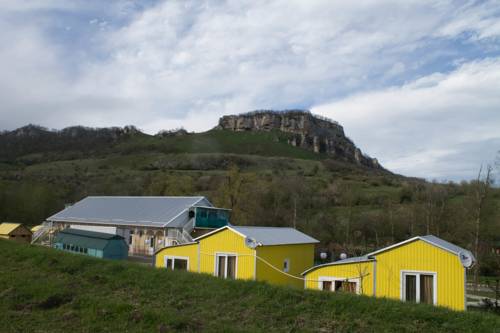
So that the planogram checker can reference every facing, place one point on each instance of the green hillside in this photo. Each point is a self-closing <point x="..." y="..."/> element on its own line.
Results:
<point x="44" y="290"/>
<point x="263" y="179"/>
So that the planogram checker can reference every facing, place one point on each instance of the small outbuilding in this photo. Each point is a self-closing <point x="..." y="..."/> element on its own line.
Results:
<point x="91" y="243"/>
<point x="16" y="232"/>
<point x="422" y="269"/>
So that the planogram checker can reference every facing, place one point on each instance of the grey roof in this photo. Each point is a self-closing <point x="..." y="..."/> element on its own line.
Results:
<point x="351" y="260"/>
<point x="141" y="211"/>
<point x="275" y="235"/>
<point x="85" y="238"/>
<point x="433" y="240"/>
<point x="446" y="245"/>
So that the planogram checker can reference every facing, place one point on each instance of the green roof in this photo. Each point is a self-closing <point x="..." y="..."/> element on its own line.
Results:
<point x="85" y="238"/>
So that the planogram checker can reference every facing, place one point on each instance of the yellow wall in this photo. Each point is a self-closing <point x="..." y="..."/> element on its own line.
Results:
<point x="421" y="256"/>
<point x="362" y="270"/>
<point x="301" y="257"/>
<point x="227" y="241"/>
<point x="190" y="251"/>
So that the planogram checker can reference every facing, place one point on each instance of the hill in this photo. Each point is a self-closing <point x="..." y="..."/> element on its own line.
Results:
<point x="261" y="165"/>
<point x="44" y="290"/>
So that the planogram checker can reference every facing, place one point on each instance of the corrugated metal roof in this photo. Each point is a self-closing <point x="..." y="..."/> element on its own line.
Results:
<point x="446" y="245"/>
<point x="351" y="260"/>
<point x="85" y="238"/>
<point x="143" y="211"/>
<point x="7" y="228"/>
<point x="275" y="235"/>
<point x="433" y="240"/>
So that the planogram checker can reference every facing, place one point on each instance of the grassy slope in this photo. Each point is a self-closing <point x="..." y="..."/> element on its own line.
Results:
<point x="254" y="143"/>
<point x="44" y="290"/>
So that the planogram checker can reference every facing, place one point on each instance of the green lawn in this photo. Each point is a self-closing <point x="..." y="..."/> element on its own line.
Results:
<point x="43" y="290"/>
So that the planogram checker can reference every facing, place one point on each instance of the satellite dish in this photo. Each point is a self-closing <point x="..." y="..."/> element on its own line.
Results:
<point x="466" y="259"/>
<point x="343" y="256"/>
<point x="323" y="255"/>
<point x="250" y="242"/>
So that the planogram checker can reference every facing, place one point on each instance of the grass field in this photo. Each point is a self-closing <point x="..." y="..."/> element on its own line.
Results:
<point x="43" y="290"/>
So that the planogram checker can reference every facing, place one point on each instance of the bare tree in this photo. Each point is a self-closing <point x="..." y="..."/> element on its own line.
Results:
<point x="481" y="190"/>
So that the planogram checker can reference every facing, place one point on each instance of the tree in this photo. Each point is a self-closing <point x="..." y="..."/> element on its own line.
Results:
<point x="232" y="186"/>
<point x="480" y="190"/>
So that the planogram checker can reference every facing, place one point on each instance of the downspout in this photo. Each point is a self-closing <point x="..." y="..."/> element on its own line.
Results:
<point x="374" y="278"/>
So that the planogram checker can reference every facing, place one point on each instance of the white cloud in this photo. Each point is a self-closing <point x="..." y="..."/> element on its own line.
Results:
<point x="186" y="63"/>
<point x="425" y="126"/>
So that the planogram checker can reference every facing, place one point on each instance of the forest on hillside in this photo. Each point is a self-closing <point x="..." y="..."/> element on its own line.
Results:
<point x="349" y="208"/>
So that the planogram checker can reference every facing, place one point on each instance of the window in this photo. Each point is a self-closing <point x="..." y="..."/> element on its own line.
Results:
<point x="338" y="284"/>
<point x="85" y="250"/>
<point x="346" y="286"/>
<point x="225" y="266"/>
<point x="326" y="285"/>
<point x="419" y="287"/>
<point x="286" y="265"/>
<point x="177" y="263"/>
<point x="180" y="264"/>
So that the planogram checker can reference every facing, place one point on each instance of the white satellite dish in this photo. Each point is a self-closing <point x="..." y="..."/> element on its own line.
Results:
<point x="323" y="255"/>
<point x="343" y="256"/>
<point x="250" y="242"/>
<point x="466" y="259"/>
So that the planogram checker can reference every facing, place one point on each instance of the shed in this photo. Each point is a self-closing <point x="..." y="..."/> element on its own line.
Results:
<point x="16" y="232"/>
<point x="91" y="243"/>
<point x="275" y="255"/>
<point x="422" y="269"/>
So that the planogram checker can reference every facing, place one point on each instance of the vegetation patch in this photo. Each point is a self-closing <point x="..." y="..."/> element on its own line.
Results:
<point x="38" y="295"/>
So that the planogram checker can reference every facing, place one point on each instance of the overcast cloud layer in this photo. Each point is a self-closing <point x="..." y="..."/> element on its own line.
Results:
<point x="415" y="83"/>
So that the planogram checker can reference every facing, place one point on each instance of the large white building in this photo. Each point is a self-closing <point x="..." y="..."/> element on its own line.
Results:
<point x="147" y="223"/>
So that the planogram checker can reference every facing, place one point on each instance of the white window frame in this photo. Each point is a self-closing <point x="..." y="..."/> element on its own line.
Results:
<point x="402" y="283"/>
<point x="287" y="262"/>
<point x="216" y="264"/>
<point x="332" y="279"/>
<point x="173" y="261"/>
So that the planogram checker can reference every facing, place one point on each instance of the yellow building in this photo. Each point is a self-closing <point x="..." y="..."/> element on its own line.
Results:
<point x="16" y="232"/>
<point x="423" y="269"/>
<point x="275" y="255"/>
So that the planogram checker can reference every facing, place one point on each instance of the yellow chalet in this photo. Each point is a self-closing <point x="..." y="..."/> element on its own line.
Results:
<point x="275" y="255"/>
<point x="16" y="232"/>
<point x="423" y="269"/>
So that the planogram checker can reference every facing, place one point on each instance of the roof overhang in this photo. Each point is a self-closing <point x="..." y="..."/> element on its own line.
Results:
<point x="172" y="246"/>
<point x="336" y="263"/>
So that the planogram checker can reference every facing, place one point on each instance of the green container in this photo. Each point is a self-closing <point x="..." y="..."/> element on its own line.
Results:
<point x="211" y="218"/>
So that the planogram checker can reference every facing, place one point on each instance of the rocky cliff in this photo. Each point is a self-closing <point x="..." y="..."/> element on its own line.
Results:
<point x="306" y="130"/>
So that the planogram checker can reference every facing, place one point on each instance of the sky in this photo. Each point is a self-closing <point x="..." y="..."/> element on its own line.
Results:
<point x="415" y="84"/>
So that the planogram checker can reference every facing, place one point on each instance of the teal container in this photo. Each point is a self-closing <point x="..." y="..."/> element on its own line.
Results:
<point x="91" y="243"/>
<point x="212" y="218"/>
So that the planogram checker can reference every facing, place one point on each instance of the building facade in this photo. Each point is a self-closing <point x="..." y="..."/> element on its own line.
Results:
<point x="146" y="223"/>
<point x="93" y="244"/>
<point x="423" y="269"/>
<point x="274" y="255"/>
<point x="16" y="232"/>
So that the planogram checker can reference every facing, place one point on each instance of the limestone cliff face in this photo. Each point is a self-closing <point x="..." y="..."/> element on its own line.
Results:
<point x="306" y="130"/>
